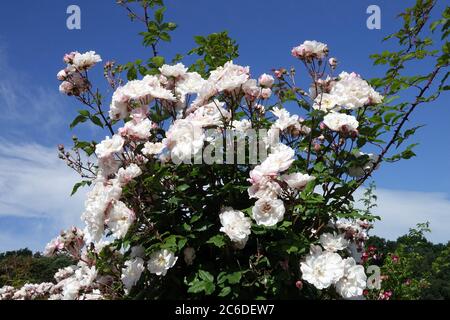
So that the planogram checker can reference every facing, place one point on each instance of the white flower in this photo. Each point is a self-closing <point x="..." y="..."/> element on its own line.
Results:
<point x="84" y="61"/>
<point x="189" y="255"/>
<point x="161" y="261"/>
<point x="71" y="290"/>
<point x="285" y="119"/>
<point x="109" y="146"/>
<point x="229" y="77"/>
<point x="309" y="50"/>
<point x="108" y="166"/>
<point x="266" y="80"/>
<point x="359" y="171"/>
<point x="322" y="269"/>
<point x="354" y="281"/>
<point x="263" y="186"/>
<point x="97" y="202"/>
<point x="64" y="273"/>
<point x="353" y="92"/>
<point x="174" y="71"/>
<point x="138" y="92"/>
<point x="340" y="122"/>
<point x="235" y="225"/>
<point x="137" y="130"/>
<point x="151" y="148"/>
<point x="132" y="271"/>
<point x="279" y="160"/>
<point x="184" y="139"/>
<point x="268" y="212"/>
<point x="85" y="275"/>
<point x="333" y="242"/>
<point x="297" y="180"/>
<point x="211" y="114"/>
<point x="251" y="89"/>
<point x="190" y="83"/>
<point x="326" y="102"/>
<point x="119" y="219"/>
<point x="129" y="173"/>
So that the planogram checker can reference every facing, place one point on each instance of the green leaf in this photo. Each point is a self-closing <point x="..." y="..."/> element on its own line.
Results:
<point x="164" y="36"/>
<point x="205" y="275"/>
<point x="96" y="120"/>
<point x="158" y="61"/>
<point x="77" y="120"/>
<point x="159" y="14"/>
<point x="183" y="187"/>
<point x="84" y="113"/>
<point x="217" y="240"/>
<point x="225" y="291"/>
<point x="79" y="185"/>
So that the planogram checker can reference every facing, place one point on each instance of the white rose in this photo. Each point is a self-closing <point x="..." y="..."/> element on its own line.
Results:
<point x="161" y="261"/>
<point x="354" y="281"/>
<point x="333" y="242"/>
<point x="268" y="212"/>
<point x="322" y="269"/>
<point x="266" y="80"/>
<point x="340" y="122"/>
<point x="235" y="225"/>
<point x="109" y="146"/>
<point x="132" y="271"/>
<point x="297" y="180"/>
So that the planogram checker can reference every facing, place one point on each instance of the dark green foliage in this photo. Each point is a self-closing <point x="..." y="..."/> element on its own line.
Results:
<point x="22" y="266"/>
<point x="422" y="270"/>
<point x="214" y="51"/>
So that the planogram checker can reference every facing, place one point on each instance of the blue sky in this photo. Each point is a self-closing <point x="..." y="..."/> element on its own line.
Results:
<point x="34" y="117"/>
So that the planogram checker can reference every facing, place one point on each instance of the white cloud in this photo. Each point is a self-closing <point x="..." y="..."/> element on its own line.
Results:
<point x="28" y="104"/>
<point x="35" y="185"/>
<point x="401" y="210"/>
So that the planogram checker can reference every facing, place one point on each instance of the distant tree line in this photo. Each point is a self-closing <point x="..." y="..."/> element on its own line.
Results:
<point x="414" y="262"/>
<point x="22" y="266"/>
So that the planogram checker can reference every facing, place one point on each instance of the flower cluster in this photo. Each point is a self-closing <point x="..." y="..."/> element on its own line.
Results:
<point x="70" y="241"/>
<point x="73" y="79"/>
<point x="158" y="264"/>
<point x="323" y="268"/>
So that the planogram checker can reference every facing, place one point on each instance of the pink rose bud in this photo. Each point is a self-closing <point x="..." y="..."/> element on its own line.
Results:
<point x="332" y="62"/>
<point x="266" y="93"/>
<point x="279" y="73"/>
<point x="66" y="87"/>
<point x="266" y="80"/>
<point x="322" y="126"/>
<point x="68" y="57"/>
<point x="299" y="284"/>
<point x="317" y="147"/>
<point x="62" y="75"/>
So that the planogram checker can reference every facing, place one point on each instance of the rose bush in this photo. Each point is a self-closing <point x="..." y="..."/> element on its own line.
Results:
<point x="207" y="185"/>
